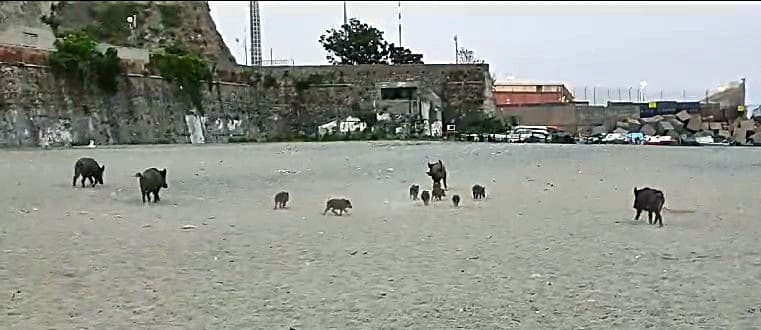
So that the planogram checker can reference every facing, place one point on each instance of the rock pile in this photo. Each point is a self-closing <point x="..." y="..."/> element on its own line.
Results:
<point x="683" y="126"/>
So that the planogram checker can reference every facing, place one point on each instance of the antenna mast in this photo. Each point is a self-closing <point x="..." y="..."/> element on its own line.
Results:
<point x="256" y="34"/>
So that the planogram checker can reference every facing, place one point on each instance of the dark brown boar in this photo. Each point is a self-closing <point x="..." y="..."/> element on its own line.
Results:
<point x="151" y="181"/>
<point x="650" y="200"/>
<point x="89" y="169"/>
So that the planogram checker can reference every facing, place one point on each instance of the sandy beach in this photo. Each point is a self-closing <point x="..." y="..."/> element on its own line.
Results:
<point x="553" y="246"/>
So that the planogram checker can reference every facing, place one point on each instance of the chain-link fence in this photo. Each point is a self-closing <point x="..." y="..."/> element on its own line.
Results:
<point x="602" y="95"/>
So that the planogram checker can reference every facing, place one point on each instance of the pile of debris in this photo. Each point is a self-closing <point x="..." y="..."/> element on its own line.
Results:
<point x="684" y="126"/>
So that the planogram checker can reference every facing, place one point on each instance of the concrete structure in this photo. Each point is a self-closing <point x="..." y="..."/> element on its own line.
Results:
<point x="730" y="99"/>
<point x="263" y="103"/>
<point x="572" y="117"/>
<point x="526" y="93"/>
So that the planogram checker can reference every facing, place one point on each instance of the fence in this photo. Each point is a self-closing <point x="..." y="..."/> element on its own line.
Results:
<point x="601" y="95"/>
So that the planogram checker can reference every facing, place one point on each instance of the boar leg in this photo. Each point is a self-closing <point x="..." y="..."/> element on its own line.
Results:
<point x="156" y="196"/>
<point x="659" y="218"/>
<point x="83" y="181"/>
<point x="650" y="217"/>
<point x="334" y="211"/>
<point x="74" y="181"/>
<point x="639" y="212"/>
<point x="445" y="182"/>
<point x="326" y="210"/>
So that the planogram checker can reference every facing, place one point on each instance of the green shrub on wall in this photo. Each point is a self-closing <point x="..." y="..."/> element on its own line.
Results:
<point x="187" y="71"/>
<point x="77" y="56"/>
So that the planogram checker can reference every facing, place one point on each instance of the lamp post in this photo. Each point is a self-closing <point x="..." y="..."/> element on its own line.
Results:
<point x="456" y="58"/>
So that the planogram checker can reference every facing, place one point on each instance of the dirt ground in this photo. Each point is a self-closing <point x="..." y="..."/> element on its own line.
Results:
<point x="553" y="246"/>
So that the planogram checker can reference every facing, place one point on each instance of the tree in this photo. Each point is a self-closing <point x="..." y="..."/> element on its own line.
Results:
<point x="359" y="43"/>
<point x="401" y="55"/>
<point x="466" y="56"/>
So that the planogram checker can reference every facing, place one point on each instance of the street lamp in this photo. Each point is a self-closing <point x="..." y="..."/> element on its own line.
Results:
<point x="456" y="58"/>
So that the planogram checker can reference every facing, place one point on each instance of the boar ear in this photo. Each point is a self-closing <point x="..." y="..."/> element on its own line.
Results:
<point x="163" y="171"/>
<point x="635" y="190"/>
<point x="103" y="168"/>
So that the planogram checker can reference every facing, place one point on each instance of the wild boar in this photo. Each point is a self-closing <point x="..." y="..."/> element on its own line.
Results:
<point x="414" y="190"/>
<point x="425" y="196"/>
<point x="479" y="192"/>
<point x="456" y="200"/>
<point x="650" y="200"/>
<point x="89" y="169"/>
<point x="437" y="192"/>
<point x="281" y="199"/>
<point x="340" y="204"/>
<point x="438" y="172"/>
<point x="151" y="181"/>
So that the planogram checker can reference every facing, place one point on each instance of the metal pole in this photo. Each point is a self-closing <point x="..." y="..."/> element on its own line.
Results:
<point x="630" y="94"/>
<point x="594" y="95"/>
<point x="456" y="58"/>
<point x="400" y="23"/>
<point x="346" y="21"/>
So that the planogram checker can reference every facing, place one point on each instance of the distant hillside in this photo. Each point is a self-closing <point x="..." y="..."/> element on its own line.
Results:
<point x="159" y="23"/>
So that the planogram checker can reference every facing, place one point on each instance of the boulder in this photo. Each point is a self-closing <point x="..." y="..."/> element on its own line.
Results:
<point x="749" y="125"/>
<point x="695" y="123"/>
<point x="740" y="135"/>
<point x="620" y="131"/>
<point x="683" y="116"/>
<point x="678" y="125"/>
<point x="755" y="138"/>
<point x="634" y="124"/>
<point x="648" y="129"/>
<point x="599" y="130"/>
<point x="652" y="120"/>
<point x="664" y="126"/>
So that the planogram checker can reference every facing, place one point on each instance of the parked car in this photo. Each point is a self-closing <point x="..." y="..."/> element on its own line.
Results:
<point x="529" y="134"/>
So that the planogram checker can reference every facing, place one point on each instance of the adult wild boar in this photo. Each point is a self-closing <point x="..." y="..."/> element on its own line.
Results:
<point x="438" y="172"/>
<point x="650" y="200"/>
<point x="89" y="169"/>
<point x="340" y="204"/>
<point x="151" y="181"/>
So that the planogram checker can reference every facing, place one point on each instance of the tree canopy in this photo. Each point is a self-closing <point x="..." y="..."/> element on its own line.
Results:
<point x="466" y="56"/>
<point x="359" y="43"/>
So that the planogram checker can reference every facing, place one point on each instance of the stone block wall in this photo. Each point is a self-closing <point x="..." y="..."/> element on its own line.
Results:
<point x="264" y="103"/>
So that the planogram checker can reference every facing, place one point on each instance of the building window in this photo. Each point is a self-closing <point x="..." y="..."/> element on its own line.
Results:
<point x="398" y="93"/>
<point x="29" y="39"/>
<point x="539" y="89"/>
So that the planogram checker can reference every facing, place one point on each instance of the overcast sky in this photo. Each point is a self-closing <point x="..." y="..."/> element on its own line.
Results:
<point x="675" y="48"/>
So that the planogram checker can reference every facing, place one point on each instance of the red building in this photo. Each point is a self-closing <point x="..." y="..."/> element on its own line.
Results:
<point x="518" y="93"/>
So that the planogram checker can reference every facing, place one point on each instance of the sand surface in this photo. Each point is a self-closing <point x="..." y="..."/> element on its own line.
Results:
<point x="552" y="247"/>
